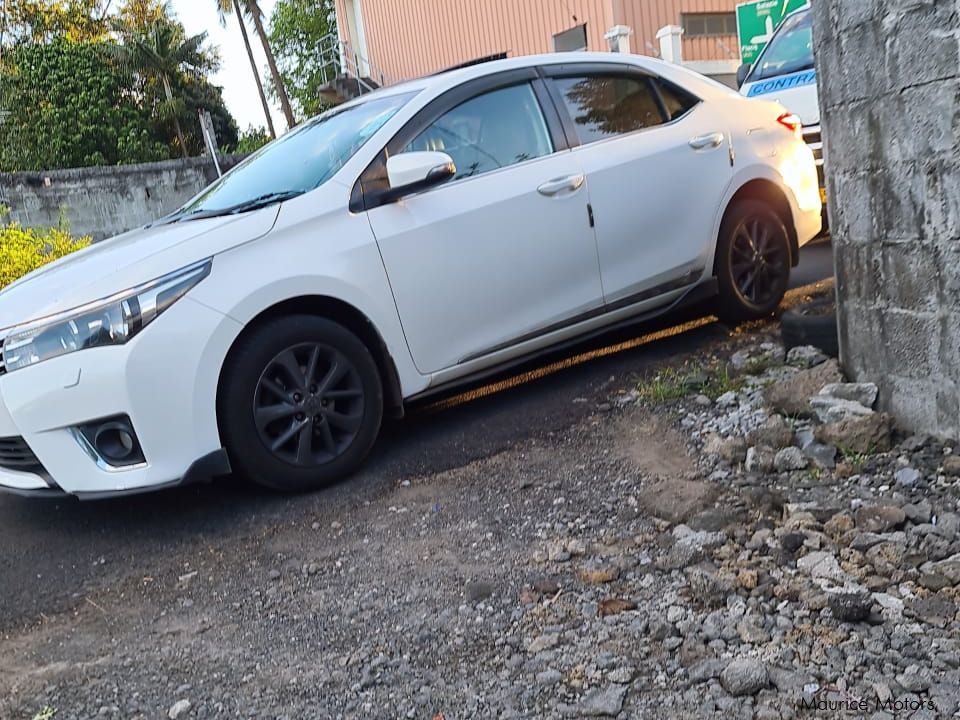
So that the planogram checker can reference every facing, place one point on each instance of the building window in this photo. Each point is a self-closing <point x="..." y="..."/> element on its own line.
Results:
<point x="571" y="40"/>
<point x="709" y="24"/>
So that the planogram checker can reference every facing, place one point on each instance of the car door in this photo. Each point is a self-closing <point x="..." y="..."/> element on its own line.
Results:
<point x="657" y="164"/>
<point x="504" y="251"/>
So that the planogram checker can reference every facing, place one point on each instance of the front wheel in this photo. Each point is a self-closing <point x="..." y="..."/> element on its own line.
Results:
<point x="753" y="262"/>
<point x="300" y="404"/>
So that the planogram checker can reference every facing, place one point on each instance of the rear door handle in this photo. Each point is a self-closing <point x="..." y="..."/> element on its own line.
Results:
<point x="562" y="186"/>
<point x="704" y="142"/>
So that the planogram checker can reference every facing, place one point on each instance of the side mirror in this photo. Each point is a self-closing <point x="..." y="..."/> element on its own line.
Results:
<point x="411" y="172"/>
<point x="742" y="73"/>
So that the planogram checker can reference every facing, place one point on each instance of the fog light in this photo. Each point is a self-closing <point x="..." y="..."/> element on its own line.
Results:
<point x="112" y="442"/>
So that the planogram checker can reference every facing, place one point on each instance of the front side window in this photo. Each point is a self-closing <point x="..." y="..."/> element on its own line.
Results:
<point x="789" y="51"/>
<point x="491" y="131"/>
<point x="298" y="162"/>
<point x="604" y="106"/>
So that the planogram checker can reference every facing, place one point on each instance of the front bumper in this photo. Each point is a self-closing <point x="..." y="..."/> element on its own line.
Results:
<point x="164" y="380"/>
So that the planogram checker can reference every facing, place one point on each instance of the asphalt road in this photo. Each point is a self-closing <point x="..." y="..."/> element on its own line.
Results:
<point x="56" y="552"/>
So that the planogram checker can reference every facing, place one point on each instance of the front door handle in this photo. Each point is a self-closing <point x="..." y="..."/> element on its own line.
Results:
<point x="562" y="186"/>
<point x="705" y="142"/>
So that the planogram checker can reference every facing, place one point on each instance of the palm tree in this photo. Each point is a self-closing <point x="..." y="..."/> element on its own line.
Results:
<point x="162" y="52"/>
<point x="256" y="14"/>
<point x="226" y="7"/>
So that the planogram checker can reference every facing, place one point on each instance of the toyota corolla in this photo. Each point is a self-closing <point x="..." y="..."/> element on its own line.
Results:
<point x="418" y="238"/>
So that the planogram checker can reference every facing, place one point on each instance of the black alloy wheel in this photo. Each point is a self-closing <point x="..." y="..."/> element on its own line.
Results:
<point x="308" y="404"/>
<point x="300" y="403"/>
<point x="753" y="262"/>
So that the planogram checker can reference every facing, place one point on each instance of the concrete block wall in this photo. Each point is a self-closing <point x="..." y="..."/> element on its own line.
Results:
<point x="106" y="201"/>
<point x="889" y="82"/>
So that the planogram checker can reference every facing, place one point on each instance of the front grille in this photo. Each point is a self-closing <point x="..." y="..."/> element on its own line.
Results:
<point x="3" y="362"/>
<point x="15" y="454"/>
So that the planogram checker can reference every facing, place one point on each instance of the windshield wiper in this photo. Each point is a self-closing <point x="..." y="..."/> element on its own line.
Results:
<point x="256" y="203"/>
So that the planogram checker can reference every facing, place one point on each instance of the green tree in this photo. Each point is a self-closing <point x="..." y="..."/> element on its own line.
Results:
<point x="190" y="85"/>
<point x="161" y="52"/>
<point x="251" y="140"/>
<point x="252" y="11"/>
<point x="227" y="7"/>
<point x="199" y="94"/>
<point x="40" y="21"/>
<point x="297" y="28"/>
<point x="70" y="106"/>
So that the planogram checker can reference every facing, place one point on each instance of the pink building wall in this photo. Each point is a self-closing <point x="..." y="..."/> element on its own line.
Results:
<point x="407" y="38"/>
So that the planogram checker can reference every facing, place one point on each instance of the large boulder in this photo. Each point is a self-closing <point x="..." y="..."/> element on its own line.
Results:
<point x="792" y="395"/>
<point x="864" y="434"/>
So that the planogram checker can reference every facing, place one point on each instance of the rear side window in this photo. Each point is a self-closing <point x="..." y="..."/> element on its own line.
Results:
<point x="491" y="131"/>
<point x="604" y="106"/>
<point x="676" y="101"/>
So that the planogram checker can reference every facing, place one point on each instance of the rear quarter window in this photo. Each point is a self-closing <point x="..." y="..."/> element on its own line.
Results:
<point x="676" y="101"/>
<point x="603" y="106"/>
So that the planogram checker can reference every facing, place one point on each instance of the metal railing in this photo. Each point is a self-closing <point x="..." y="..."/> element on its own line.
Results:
<point x="340" y="60"/>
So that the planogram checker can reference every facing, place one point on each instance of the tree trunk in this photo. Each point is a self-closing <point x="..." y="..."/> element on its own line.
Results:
<point x="253" y="66"/>
<point x="272" y="62"/>
<point x="176" y="120"/>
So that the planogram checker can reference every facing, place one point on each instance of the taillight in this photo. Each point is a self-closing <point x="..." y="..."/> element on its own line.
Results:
<point x="792" y="123"/>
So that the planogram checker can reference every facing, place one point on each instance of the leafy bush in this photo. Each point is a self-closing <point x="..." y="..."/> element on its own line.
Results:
<point x="251" y="140"/>
<point x="26" y="249"/>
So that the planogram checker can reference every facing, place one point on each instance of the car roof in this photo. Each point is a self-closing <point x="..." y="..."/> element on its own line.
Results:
<point x="446" y="79"/>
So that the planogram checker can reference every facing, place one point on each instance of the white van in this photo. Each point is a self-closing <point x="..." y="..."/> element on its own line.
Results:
<point x="784" y="72"/>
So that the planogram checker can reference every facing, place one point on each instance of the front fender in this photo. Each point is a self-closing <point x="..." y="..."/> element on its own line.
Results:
<point x="353" y="275"/>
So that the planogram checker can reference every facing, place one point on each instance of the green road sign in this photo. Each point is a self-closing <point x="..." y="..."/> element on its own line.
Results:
<point x="756" y="22"/>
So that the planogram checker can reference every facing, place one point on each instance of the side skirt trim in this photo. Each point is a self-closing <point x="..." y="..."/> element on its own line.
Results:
<point x="697" y="293"/>
<point x="662" y="289"/>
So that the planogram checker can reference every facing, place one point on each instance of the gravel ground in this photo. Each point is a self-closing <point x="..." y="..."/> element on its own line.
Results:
<point x="685" y="551"/>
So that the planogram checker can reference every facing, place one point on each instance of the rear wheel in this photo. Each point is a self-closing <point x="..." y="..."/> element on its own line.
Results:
<point x="753" y="262"/>
<point x="301" y="404"/>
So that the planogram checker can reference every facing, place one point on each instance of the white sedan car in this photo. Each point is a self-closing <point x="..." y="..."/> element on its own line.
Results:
<point x="417" y="238"/>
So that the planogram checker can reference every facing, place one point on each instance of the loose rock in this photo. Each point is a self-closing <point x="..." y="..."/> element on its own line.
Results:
<point x="745" y="676"/>
<point x="879" y="518"/>
<point x="850" y="606"/>
<point x="178" y="709"/>
<point x="790" y="458"/>
<point x="863" y="393"/>
<point x="790" y="396"/>
<point x="605" y="702"/>
<point x="805" y="356"/>
<point x="866" y="434"/>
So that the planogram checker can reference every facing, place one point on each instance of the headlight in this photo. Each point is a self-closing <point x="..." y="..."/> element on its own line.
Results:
<point x="112" y="321"/>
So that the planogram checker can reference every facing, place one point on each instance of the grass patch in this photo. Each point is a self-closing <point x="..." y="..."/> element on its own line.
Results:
<point x="46" y="714"/>
<point x="669" y="384"/>
<point x="856" y="460"/>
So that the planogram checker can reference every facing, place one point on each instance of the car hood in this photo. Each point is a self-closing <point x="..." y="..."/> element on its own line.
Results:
<point x="126" y="261"/>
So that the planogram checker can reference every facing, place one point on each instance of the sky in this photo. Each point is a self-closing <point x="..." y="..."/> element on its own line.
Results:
<point x="235" y="76"/>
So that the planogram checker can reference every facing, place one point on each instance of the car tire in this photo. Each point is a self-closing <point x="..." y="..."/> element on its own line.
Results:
<point x="753" y="262"/>
<point x="814" y="323"/>
<point x="300" y="404"/>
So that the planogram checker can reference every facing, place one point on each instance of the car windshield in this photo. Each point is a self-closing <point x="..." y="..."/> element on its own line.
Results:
<point x="790" y="50"/>
<point x="296" y="163"/>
